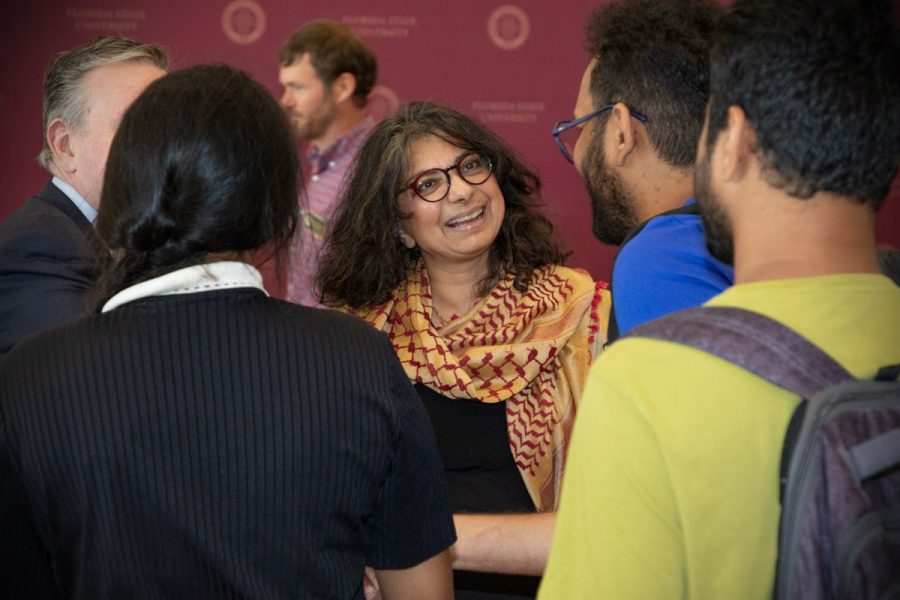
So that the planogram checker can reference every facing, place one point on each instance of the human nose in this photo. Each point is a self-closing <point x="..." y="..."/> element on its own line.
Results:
<point x="286" y="98"/>
<point x="459" y="190"/>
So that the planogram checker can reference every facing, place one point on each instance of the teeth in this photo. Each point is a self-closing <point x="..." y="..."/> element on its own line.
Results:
<point x="461" y="220"/>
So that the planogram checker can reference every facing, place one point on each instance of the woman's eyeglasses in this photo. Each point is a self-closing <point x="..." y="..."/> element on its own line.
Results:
<point x="433" y="185"/>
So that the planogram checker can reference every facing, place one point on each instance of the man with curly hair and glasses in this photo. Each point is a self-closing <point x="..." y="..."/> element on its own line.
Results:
<point x="672" y="483"/>
<point x="633" y="138"/>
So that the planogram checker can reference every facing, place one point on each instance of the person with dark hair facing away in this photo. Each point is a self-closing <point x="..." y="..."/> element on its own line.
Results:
<point x="672" y="485"/>
<point x="327" y="73"/>
<point x="439" y="241"/>
<point x="633" y="138"/>
<point x="196" y="438"/>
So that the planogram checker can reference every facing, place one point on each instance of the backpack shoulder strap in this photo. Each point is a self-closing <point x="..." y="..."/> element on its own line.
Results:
<point x="753" y="341"/>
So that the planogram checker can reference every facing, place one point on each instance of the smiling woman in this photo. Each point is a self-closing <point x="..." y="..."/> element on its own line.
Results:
<point x="439" y="241"/>
<point x="452" y="219"/>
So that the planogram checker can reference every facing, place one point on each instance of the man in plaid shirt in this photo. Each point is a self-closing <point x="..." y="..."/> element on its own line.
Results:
<point x="327" y="73"/>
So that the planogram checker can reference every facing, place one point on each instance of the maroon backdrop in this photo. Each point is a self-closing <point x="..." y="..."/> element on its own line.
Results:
<point x="516" y="66"/>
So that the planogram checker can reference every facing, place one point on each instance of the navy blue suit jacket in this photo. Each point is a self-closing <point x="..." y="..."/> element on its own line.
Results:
<point x="48" y="253"/>
<point x="47" y="262"/>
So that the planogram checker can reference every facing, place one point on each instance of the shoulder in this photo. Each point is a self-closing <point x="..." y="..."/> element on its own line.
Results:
<point x="568" y="273"/>
<point x="343" y="343"/>
<point x="674" y="385"/>
<point x="670" y="249"/>
<point x="576" y="286"/>
<point x="663" y="235"/>
<point x="40" y="226"/>
<point x="335" y="328"/>
<point x="47" y="351"/>
<point x="576" y="282"/>
<point x="573" y="296"/>
<point x="330" y="319"/>
<point x="33" y="214"/>
<point x="854" y="317"/>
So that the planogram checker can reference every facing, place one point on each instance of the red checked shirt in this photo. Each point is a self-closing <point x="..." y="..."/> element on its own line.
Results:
<point x="322" y="192"/>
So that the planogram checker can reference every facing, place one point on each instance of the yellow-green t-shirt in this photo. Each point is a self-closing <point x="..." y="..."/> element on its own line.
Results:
<point x="671" y="485"/>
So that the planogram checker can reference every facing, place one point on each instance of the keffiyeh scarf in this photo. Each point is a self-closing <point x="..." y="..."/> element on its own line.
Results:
<point x="531" y="350"/>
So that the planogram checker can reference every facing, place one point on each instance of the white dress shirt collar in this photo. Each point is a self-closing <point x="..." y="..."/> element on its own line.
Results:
<point x="89" y="212"/>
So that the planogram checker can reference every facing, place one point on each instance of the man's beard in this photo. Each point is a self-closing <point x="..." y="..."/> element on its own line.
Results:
<point x="316" y="123"/>
<point x="612" y="204"/>
<point x="717" y="225"/>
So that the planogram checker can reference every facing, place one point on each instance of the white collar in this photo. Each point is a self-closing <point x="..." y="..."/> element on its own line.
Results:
<point x="190" y="280"/>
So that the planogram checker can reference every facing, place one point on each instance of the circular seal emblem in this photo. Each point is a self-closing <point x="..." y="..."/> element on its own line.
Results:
<point x="243" y="21"/>
<point x="382" y="102"/>
<point x="508" y="27"/>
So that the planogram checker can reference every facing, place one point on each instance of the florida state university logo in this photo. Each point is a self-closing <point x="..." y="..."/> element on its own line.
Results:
<point x="508" y="27"/>
<point x="243" y="21"/>
<point x="382" y="102"/>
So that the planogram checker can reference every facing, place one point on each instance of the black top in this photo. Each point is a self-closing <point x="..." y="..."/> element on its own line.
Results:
<point x="482" y="477"/>
<point x="218" y="445"/>
<point x="478" y="462"/>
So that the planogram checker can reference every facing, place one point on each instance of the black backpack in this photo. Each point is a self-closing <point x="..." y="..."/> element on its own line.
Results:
<point x="839" y="533"/>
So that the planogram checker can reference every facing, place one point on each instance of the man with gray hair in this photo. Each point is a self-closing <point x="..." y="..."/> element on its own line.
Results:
<point x="48" y="249"/>
<point x="48" y="254"/>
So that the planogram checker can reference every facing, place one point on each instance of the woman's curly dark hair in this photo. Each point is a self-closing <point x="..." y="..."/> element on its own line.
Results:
<point x="364" y="259"/>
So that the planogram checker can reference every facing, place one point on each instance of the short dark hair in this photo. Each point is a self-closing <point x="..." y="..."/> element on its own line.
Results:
<point x="203" y="162"/>
<point x="365" y="260"/>
<point x="63" y="97"/>
<point x="653" y="55"/>
<point x="820" y="82"/>
<point x="333" y="49"/>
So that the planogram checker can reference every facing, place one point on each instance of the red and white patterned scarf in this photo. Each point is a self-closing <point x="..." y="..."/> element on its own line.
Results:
<point x="531" y="350"/>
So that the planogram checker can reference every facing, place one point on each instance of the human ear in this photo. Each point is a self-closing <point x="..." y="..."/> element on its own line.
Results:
<point x="343" y="87"/>
<point x="624" y="135"/>
<point x="738" y="145"/>
<point x="406" y="239"/>
<point x="59" y="138"/>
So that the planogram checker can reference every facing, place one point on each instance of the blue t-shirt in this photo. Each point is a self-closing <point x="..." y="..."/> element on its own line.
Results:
<point x="664" y="268"/>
